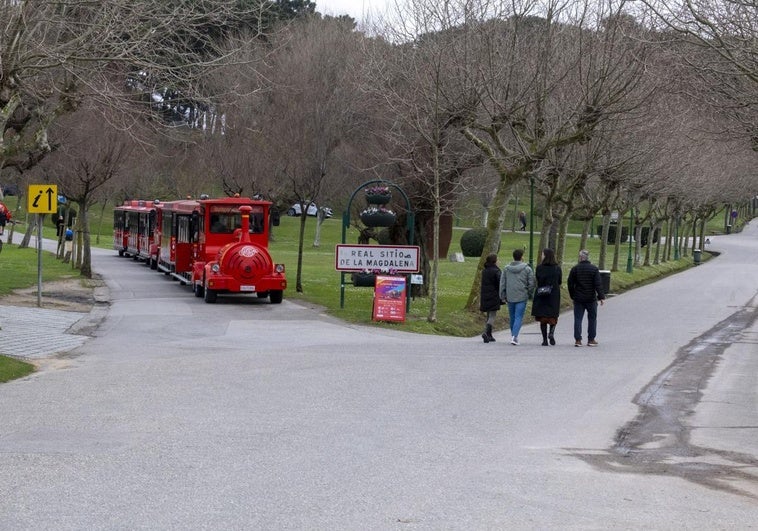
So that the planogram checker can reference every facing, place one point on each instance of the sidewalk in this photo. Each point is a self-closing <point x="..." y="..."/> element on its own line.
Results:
<point x="38" y="333"/>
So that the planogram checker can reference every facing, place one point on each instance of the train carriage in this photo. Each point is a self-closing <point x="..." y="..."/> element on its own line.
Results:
<point x="134" y="224"/>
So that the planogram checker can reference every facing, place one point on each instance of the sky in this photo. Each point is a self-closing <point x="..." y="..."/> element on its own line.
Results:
<point x="354" y="8"/>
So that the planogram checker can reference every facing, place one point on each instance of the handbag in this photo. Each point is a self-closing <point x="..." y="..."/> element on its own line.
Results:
<point x="545" y="290"/>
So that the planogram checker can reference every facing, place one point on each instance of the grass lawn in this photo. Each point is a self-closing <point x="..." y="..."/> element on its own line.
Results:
<point x="11" y="368"/>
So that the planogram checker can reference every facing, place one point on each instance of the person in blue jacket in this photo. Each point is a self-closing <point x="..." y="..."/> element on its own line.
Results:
<point x="516" y="285"/>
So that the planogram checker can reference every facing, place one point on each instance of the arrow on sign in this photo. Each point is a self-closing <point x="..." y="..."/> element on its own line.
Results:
<point x="50" y="192"/>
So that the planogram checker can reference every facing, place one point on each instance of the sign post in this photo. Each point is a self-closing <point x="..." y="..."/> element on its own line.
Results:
<point x="41" y="199"/>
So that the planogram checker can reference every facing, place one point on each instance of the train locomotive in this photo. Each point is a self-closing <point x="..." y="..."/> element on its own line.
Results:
<point x="218" y="246"/>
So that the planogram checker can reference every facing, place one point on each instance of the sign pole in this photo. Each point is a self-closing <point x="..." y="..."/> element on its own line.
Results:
<point x="39" y="260"/>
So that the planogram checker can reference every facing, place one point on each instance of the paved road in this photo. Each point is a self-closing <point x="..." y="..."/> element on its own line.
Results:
<point x="245" y="415"/>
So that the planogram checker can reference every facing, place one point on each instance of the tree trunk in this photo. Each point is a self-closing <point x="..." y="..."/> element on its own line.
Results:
<point x="319" y="221"/>
<point x="30" y="229"/>
<point x="85" y="256"/>
<point x="604" y="240"/>
<point x="300" y="240"/>
<point x="102" y="214"/>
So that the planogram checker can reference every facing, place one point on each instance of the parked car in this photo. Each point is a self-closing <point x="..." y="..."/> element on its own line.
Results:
<point x="9" y="189"/>
<point x="311" y="210"/>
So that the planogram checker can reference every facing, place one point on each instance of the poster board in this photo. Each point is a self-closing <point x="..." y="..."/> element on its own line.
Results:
<point x="389" y="298"/>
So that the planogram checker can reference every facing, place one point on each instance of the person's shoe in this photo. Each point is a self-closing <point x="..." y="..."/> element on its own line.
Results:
<point x="551" y="339"/>
<point x="591" y="343"/>
<point x="544" y="342"/>
<point x="514" y="341"/>
<point x="485" y="338"/>
<point x="578" y="343"/>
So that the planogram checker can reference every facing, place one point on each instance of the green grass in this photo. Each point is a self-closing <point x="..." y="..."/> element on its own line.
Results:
<point x="11" y="369"/>
<point x="19" y="268"/>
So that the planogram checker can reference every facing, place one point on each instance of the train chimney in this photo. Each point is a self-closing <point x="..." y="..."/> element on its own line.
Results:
<point x="245" y="211"/>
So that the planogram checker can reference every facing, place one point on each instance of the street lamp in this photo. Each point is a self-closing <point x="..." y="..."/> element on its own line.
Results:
<point x="676" y="237"/>
<point x="531" y="221"/>
<point x="631" y="231"/>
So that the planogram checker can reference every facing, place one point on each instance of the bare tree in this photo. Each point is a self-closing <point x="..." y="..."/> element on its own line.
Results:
<point x="408" y="82"/>
<point x="306" y="112"/>
<point x="532" y="78"/>
<point x="719" y="44"/>
<point x="92" y="154"/>
<point x="145" y="56"/>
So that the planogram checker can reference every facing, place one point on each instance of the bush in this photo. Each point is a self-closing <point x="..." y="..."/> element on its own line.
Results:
<point x="472" y="241"/>
<point x="383" y="237"/>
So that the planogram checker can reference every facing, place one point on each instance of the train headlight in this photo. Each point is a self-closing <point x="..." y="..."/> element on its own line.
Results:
<point x="215" y="268"/>
<point x="279" y="268"/>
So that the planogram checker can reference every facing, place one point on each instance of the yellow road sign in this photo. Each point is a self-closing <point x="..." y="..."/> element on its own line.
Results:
<point x="42" y="199"/>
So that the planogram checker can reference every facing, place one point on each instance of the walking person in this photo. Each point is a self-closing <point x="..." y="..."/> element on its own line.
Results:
<point x="585" y="289"/>
<point x="5" y="217"/>
<point x="516" y="283"/>
<point x="547" y="297"/>
<point x="489" y="296"/>
<point x="522" y="220"/>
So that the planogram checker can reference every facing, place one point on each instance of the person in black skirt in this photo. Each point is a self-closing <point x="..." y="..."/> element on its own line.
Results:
<point x="489" y="296"/>
<point x="547" y="297"/>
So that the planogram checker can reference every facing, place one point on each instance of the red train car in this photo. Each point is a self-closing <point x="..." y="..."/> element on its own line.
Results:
<point x="219" y="246"/>
<point x="134" y="225"/>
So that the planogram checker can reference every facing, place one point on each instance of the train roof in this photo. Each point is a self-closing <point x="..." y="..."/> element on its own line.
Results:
<point x="138" y="205"/>
<point x="190" y="205"/>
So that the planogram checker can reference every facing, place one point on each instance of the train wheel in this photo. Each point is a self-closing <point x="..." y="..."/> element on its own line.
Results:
<point x="198" y="289"/>
<point x="210" y="295"/>
<point x="121" y="253"/>
<point x="276" y="297"/>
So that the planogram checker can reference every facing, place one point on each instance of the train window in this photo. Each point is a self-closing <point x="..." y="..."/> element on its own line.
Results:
<point x="225" y="219"/>
<point x="256" y="223"/>
<point x="222" y="223"/>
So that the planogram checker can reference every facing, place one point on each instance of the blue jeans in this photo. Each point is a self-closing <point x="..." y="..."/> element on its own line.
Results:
<point x="579" y="309"/>
<point x="516" y="316"/>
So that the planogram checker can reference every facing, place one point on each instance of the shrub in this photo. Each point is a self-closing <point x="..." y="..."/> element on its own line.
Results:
<point x="472" y="241"/>
<point x="383" y="237"/>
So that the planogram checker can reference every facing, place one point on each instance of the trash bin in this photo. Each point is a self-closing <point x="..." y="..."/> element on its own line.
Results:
<point x="605" y="279"/>
<point x="728" y="229"/>
<point x="696" y="256"/>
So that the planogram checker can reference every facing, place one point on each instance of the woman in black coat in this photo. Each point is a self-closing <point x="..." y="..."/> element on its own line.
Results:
<point x="547" y="306"/>
<point x="489" y="297"/>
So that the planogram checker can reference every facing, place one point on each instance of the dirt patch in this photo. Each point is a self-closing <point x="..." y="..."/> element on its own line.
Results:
<point x="72" y="295"/>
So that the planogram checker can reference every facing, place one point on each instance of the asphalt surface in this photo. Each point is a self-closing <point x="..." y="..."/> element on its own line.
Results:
<point x="177" y="414"/>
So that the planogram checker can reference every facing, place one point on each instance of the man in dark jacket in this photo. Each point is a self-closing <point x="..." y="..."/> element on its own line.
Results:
<point x="585" y="289"/>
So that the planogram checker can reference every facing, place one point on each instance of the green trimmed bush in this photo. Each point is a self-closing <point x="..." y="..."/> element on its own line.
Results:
<point x="472" y="241"/>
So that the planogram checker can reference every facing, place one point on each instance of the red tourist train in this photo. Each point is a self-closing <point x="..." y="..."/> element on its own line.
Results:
<point x="214" y="245"/>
